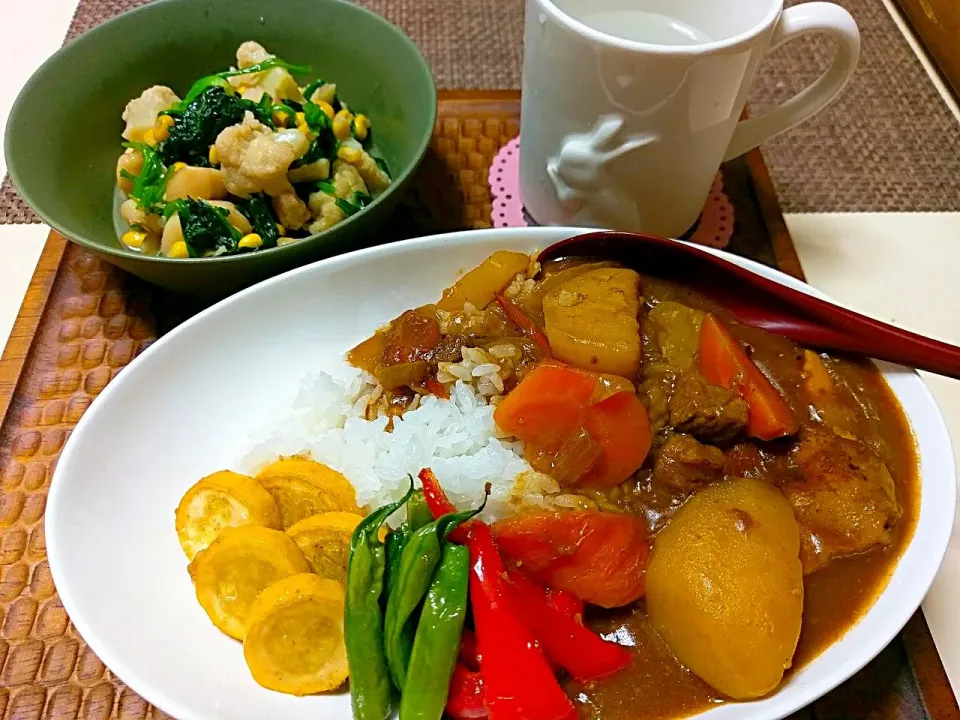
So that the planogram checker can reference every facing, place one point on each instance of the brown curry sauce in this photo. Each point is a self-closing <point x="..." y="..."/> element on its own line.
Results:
<point x="656" y="685"/>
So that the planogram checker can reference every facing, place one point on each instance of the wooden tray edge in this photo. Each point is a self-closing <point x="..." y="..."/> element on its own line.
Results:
<point x="20" y="343"/>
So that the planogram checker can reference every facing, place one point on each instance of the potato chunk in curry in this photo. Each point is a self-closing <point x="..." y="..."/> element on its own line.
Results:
<point x="591" y="321"/>
<point x="725" y="586"/>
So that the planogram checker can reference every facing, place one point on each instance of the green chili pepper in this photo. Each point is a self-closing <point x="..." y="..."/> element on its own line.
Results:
<point x="369" y="675"/>
<point x="418" y="514"/>
<point x="417" y="564"/>
<point x="437" y="641"/>
<point x="396" y="541"/>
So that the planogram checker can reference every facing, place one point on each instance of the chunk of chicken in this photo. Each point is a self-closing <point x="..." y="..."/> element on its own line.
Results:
<point x="255" y="159"/>
<point x="199" y="183"/>
<point x="130" y="162"/>
<point x="234" y="216"/>
<point x="279" y="83"/>
<point x="141" y="113"/>
<point x="172" y="234"/>
<point x="325" y="93"/>
<point x="708" y="412"/>
<point x="845" y="502"/>
<point x="251" y="53"/>
<point x="683" y="464"/>
<point x="133" y="215"/>
<point x="312" y="172"/>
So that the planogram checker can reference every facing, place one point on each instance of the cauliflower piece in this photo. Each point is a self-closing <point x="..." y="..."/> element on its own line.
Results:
<point x="292" y="212"/>
<point x="255" y="159"/>
<point x="133" y="215"/>
<point x="325" y="212"/>
<point x="347" y="181"/>
<point x="141" y="113"/>
<point x="279" y="83"/>
<point x="374" y="177"/>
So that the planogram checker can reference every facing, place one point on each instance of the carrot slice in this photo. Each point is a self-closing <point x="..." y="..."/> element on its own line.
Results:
<point x="622" y="428"/>
<point x="600" y="557"/>
<point x="548" y="406"/>
<point x="723" y="362"/>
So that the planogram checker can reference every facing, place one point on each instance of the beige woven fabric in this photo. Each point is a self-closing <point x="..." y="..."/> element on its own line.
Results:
<point x="888" y="144"/>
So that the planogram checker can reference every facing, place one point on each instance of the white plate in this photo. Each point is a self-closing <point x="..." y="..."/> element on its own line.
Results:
<point x="186" y="407"/>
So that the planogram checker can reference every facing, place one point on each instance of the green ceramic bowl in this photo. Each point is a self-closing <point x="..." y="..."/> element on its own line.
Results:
<point x="63" y="135"/>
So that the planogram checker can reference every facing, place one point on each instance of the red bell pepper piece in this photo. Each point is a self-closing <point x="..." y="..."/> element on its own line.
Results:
<point x="437" y="388"/>
<point x="469" y="655"/>
<point x="465" y="699"/>
<point x="518" y="683"/>
<point x="566" y="603"/>
<point x="440" y="505"/>
<point x="527" y="326"/>
<point x="601" y="557"/>
<point x="582" y="653"/>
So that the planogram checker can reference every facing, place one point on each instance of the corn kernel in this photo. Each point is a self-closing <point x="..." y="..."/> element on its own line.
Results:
<point x="341" y="124"/>
<point x="149" y="138"/>
<point x="361" y="126"/>
<point x="251" y="241"/>
<point x="348" y="154"/>
<point x="280" y="119"/>
<point x="166" y="121"/>
<point x="213" y="156"/>
<point x="177" y="166"/>
<point x="327" y="109"/>
<point x="300" y="118"/>
<point x="179" y="250"/>
<point x="281" y="230"/>
<point x="134" y="239"/>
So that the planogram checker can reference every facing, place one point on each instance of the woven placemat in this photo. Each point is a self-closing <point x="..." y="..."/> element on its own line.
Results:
<point x="888" y="144"/>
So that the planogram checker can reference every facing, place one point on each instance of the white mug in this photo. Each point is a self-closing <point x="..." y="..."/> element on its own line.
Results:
<point x="630" y="106"/>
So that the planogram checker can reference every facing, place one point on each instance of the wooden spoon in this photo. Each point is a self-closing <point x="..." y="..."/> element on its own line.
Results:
<point x="761" y="302"/>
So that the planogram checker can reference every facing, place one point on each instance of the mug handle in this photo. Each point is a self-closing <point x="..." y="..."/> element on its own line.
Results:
<point x="812" y="17"/>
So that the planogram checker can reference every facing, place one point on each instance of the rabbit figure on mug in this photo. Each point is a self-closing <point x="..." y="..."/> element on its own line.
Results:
<point x="589" y="193"/>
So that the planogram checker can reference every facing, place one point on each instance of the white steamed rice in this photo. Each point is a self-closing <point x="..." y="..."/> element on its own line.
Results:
<point x="456" y="438"/>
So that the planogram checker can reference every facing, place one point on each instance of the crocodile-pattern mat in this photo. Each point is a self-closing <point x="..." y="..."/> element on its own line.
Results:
<point x="96" y="319"/>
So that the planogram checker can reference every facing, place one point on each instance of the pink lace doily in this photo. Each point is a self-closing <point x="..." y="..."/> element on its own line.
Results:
<point x="714" y="228"/>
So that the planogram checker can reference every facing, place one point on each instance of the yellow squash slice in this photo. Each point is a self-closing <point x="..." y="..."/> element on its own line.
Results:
<point x="294" y="642"/>
<point x="302" y="488"/>
<point x="219" y="501"/>
<point x="236" y="568"/>
<point x="324" y="540"/>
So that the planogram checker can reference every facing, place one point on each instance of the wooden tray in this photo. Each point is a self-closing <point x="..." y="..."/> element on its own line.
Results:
<point x="83" y="321"/>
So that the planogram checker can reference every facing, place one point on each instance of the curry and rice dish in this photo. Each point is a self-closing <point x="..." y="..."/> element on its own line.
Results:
<point x="245" y="161"/>
<point x="626" y="505"/>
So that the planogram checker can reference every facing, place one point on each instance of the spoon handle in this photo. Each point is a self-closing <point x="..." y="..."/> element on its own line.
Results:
<point x="762" y="302"/>
<point x="896" y="346"/>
